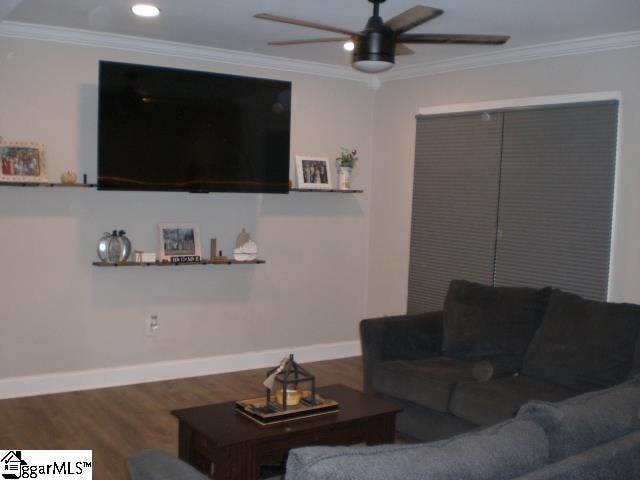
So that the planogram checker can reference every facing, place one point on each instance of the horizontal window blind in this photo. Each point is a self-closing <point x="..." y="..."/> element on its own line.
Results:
<point x="455" y="194"/>
<point x="556" y="198"/>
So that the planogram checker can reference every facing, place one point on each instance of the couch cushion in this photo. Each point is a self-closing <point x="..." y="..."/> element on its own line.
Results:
<point x="618" y="459"/>
<point x="486" y="403"/>
<point x="425" y="382"/>
<point x="587" y="420"/>
<point x="502" y="452"/>
<point x="481" y="320"/>
<point x="584" y="344"/>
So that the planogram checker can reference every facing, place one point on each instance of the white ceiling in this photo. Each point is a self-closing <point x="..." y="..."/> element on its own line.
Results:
<point x="229" y="24"/>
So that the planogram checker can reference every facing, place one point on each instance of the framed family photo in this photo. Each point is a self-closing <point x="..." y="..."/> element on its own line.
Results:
<point x="22" y="162"/>
<point x="179" y="242"/>
<point x="313" y="172"/>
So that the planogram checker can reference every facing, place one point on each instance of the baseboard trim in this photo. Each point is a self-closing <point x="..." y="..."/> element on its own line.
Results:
<point x="152" y="372"/>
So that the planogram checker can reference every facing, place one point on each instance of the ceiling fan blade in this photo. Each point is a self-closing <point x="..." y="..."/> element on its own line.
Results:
<point x="412" y="18"/>
<point x="403" y="49"/>
<point x="310" y="40"/>
<point x="452" y="38"/>
<point x="303" y="23"/>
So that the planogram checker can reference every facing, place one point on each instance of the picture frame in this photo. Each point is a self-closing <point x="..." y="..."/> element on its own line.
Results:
<point x="179" y="242"/>
<point x="22" y="162"/>
<point x="313" y="172"/>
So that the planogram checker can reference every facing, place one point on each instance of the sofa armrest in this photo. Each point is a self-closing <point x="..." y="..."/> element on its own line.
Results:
<point x="401" y="337"/>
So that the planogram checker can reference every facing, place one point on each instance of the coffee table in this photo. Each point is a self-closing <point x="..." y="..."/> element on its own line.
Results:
<point x="216" y="437"/>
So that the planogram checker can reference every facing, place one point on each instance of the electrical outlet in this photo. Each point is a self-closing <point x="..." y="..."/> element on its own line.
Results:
<point x="152" y="325"/>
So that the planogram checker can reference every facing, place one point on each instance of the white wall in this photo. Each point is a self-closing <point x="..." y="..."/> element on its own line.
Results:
<point x="331" y="259"/>
<point x="60" y="314"/>
<point x="398" y="102"/>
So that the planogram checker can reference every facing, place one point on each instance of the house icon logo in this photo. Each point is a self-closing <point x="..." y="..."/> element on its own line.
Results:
<point x="11" y="464"/>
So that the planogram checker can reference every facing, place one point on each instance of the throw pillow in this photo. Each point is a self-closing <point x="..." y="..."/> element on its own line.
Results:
<point x="587" y="420"/>
<point x="584" y="344"/>
<point x="480" y="321"/>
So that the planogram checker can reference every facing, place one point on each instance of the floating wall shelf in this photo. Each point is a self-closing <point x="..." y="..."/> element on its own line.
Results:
<point x="61" y="185"/>
<point x="93" y="185"/>
<point x="169" y="264"/>
<point x="323" y="191"/>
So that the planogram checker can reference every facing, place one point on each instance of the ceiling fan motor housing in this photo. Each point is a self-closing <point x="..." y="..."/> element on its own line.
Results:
<point x="377" y="45"/>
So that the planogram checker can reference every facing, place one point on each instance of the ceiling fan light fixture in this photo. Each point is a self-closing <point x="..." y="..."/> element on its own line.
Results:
<point x="145" y="10"/>
<point x="372" y="66"/>
<point x="374" y="52"/>
<point x="349" y="45"/>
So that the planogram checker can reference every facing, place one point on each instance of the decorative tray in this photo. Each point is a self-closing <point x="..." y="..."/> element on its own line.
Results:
<point x="257" y="410"/>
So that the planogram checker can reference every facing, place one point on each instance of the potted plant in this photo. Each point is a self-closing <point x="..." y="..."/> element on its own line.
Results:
<point x="345" y="162"/>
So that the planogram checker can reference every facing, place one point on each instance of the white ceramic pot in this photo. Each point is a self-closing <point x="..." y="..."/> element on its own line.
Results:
<point x="344" y="178"/>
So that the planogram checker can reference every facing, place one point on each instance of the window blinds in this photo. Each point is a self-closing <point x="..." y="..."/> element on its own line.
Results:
<point x="455" y="197"/>
<point x="556" y="198"/>
<point x="519" y="197"/>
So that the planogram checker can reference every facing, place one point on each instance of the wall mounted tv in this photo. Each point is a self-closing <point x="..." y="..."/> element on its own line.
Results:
<point x="180" y="130"/>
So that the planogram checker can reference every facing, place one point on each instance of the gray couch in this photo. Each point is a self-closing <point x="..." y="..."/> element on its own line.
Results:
<point x="491" y="350"/>
<point x="594" y="436"/>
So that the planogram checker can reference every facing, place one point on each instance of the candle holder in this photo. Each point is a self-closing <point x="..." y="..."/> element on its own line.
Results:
<point x="289" y="385"/>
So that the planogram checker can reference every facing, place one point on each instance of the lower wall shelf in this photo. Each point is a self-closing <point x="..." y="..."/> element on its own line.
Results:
<point x="169" y="264"/>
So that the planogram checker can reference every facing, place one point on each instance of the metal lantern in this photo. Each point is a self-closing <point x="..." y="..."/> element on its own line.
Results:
<point x="286" y="378"/>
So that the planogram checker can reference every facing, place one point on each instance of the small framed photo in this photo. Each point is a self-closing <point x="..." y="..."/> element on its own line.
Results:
<point x="313" y="172"/>
<point x="179" y="242"/>
<point x="22" y="162"/>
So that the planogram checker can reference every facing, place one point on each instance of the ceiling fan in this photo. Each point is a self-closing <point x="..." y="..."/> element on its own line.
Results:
<point x="376" y="46"/>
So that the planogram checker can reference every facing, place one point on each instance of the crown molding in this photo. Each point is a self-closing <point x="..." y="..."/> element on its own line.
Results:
<point x="234" y="57"/>
<point x="182" y="50"/>
<point x="578" y="46"/>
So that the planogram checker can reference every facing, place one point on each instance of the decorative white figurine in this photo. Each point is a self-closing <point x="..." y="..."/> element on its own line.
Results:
<point x="246" y="249"/>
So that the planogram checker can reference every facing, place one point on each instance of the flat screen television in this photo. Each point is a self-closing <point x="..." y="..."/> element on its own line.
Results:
<point x="180" y="130"/>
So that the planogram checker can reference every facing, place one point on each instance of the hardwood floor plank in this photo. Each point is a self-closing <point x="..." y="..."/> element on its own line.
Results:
<point x="116" y="422"/>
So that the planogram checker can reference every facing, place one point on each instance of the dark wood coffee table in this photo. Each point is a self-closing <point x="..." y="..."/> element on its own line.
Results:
<point x="237" y="446"/>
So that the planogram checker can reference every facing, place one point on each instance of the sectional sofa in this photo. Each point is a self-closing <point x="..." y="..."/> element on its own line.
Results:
<point x="594" y="436"/>
<point x="490" y="350"/>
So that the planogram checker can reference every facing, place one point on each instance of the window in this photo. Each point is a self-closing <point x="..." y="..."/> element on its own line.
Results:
<point x="514" y="197"/>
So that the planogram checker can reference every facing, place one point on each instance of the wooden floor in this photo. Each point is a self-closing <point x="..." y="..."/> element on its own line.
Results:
<point x="115" y="422"/>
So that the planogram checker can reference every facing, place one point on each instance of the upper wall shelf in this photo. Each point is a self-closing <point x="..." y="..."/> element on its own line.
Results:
<point x="323" y="190"/>
<point x="34" y="184"/>
<point x="93" y="185"/>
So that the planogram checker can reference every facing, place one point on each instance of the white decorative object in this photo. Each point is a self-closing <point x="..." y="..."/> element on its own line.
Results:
<point x="144" y="257"/>
<point x="345" y="162"/>
<point x="247" y="252"/>
<point x="69" y="177"/>
<point x="344" y="178"/>
<point x="246" y="249"/>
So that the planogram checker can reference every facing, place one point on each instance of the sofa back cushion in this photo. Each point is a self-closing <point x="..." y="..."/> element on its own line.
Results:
<point x="481" y="321"/>
<point x="502" y="452"/>
<point x="587" y="420"/>
<point x="584" y="344"/>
